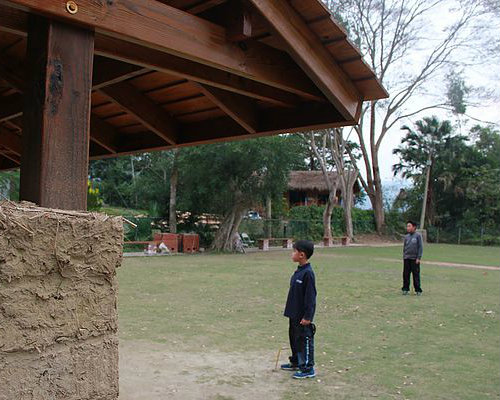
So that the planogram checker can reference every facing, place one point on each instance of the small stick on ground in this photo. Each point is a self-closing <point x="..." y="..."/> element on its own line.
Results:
<point x="278" y="357"/>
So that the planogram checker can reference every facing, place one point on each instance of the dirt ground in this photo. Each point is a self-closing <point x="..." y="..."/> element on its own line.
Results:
<point x="156" y="371"/>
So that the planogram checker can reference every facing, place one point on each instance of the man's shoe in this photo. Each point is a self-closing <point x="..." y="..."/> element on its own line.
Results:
<point x="289" y="367"/>
<point x="304" y="374"/>
<point x="405" y="292"/>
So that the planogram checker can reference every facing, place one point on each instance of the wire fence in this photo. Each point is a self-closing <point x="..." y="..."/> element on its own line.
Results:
<point x="473" y="235"/>
<point x="307" y="229"/>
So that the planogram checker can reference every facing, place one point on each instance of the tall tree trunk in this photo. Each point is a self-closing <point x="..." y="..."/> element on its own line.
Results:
<point x="134" y="180"/>
<point x="327" y="217"/>
<point x="332" y="191"/>
<point x="174" y="177"/>
<point x="377" y="199"/>
<point x="269" y="222"/>
<point x="224" y="238"/>
<point x="347" y="205"/>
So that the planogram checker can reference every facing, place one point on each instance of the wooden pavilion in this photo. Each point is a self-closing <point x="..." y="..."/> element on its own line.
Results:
<point x="98" y="78"/>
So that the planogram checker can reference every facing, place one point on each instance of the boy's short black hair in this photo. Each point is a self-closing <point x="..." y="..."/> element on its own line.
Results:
<point x="306" y="246"/>
<point x="411" y="222"/>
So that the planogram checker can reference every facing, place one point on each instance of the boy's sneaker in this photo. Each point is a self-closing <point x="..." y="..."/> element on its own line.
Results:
<point x="405" y="292"/>
<point x="304" y="374"/>
<point x="289" y="367"/>
<point x="419" y="293"/>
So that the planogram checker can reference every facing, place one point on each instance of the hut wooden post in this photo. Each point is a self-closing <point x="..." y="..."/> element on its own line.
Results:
<point x="55" y="153"/>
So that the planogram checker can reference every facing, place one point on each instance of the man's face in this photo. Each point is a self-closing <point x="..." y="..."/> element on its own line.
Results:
<point x="410" y="228"/>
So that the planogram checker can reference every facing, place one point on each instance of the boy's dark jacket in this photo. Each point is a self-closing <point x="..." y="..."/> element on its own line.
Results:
<point x="301" y="301"/>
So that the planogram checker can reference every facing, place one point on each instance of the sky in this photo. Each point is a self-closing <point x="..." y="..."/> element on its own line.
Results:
<point x="481" y="74"/>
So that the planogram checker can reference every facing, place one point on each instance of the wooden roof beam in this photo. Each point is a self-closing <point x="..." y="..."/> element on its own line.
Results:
<point x="308" y="51"/>
<point x="12" y="20"/>
<point x="159" y="26"/>
<point x="11" y="156"/>
<point x="204" y="5"/>
<point x="108" y="72"/>
<point x="103" y="134"/>
<point x="241" y="109"/>
<point x="10" y="141"/>
<point x="145" y="110"/>
<point x="9" y="74"/>
<point x="190" y="70"/>
<point x="11" y="107"/>
<point x="7" y="164"/>
<point x="105" y="72"/>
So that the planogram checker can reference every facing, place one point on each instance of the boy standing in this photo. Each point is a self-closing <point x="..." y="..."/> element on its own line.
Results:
<point x="412" y="254"/>
<point x="300" y="308"/>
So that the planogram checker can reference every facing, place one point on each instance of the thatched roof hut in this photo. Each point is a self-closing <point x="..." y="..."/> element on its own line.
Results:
<point x="309" y="187"/>
<point x="311" y="180"/>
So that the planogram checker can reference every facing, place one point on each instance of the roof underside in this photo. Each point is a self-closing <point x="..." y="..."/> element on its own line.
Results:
<point x="149" y="97"/>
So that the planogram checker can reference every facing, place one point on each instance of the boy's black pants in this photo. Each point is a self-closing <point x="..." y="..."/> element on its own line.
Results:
<point x="411" y="267"/>
<point x="301" y="344"/>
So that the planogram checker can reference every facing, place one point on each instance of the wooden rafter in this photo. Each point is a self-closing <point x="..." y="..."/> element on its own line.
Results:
<point x="308" y="51"/>
<point x="156" y="25"/>
<point x="11" y="20"/>
<point x="105" y="71"/>
<point x="103" y="134"/>
<point x="109" y="72"/>
<point x="145" y="110"/>
<point x="10" y="141"/>
<point x="11" y="107"/>
<point x="9" y="74"/>
<point x="7" y="164"/>
<point x="177" y="66"/>
<point x="239" y="108"/>
<point x="204" y="5"/>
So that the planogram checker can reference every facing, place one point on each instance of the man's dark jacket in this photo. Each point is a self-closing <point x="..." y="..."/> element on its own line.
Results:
<point x="301" y="301"/>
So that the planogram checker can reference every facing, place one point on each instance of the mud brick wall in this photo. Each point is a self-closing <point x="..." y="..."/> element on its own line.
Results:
<point x="58" y="317"/>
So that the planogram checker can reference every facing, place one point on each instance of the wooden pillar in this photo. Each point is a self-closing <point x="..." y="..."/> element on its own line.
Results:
<point x="54" y="161"/>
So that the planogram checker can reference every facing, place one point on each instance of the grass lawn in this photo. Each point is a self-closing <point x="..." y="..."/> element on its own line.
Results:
<point x="371" y="341"/>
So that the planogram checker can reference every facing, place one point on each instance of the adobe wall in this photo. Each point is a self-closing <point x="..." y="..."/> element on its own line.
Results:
<point x="58" y="317"/>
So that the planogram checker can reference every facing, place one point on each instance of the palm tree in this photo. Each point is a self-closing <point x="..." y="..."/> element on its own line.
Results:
<point x="418" y="152"/>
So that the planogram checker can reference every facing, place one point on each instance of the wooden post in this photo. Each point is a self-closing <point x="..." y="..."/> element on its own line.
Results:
<point x="54" y="161"/>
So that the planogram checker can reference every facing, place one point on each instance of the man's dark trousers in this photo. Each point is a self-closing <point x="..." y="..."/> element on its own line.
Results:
<point x="411" y="267"/>
<point x="302" y="344"/>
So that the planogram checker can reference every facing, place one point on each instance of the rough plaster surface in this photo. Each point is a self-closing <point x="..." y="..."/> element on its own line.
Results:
<point x="58" y="319"/>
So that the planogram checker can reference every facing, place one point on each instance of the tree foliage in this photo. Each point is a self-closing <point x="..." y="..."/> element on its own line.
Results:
<point x="407" y="53"/>
<point x="465" y="174"/>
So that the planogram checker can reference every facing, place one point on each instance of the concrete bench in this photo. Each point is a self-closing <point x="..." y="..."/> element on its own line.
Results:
<point x="328" y="241"/>
<point x="264" y="243"/>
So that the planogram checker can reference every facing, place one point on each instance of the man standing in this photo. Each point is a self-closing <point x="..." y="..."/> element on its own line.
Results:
<point x="412" y="254"/>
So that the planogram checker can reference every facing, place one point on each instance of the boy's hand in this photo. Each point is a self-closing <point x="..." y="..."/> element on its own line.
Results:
<point x="305" y="322"/>
<point x="417" y="260"/>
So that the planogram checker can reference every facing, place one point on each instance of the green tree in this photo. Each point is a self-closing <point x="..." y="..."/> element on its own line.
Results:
<point x="9" y="185"/>
<point x="389" y="33"/>
<point x="465" y="175"/>
<point x="421" y="149"/>
<point x="228" y="179"/>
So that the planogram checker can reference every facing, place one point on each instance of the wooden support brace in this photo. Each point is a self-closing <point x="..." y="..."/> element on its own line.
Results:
<point x="144" y="109"/>
<point x="239" y="108"/>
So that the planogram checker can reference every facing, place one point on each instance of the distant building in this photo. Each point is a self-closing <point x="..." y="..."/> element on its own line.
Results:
<point x="307" y="188"/>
